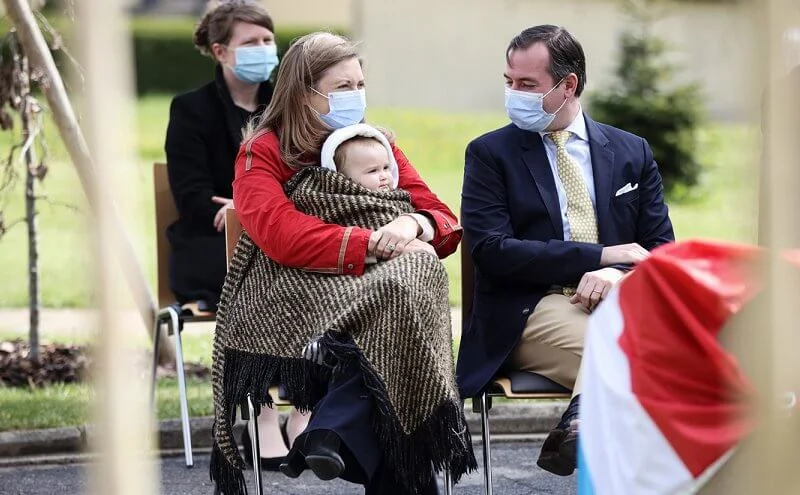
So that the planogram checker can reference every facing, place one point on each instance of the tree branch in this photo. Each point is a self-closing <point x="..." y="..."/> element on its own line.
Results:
<point x="8" y="227"/>
<point x="10" y="176"/>
<point x="58" y="44"/>
<point x="57" y="204"/>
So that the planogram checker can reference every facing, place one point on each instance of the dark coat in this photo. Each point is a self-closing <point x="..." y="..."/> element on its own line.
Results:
<point x="203" y="137"/>
<point x="512" y="227"/>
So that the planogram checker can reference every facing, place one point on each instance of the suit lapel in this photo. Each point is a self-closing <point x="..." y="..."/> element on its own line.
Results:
<point x="603" y="173"/>
<point x="535" y="158"/>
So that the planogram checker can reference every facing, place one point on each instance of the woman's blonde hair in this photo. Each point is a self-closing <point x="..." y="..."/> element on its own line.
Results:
<point x="289" y="114"/>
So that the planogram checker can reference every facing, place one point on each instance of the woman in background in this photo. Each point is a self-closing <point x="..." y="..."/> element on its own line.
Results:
<point x="203" y="137"/>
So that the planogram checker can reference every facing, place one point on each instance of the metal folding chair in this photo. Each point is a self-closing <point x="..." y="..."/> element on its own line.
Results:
<point x="514" y="385"/>
<point x="170" y="313"/>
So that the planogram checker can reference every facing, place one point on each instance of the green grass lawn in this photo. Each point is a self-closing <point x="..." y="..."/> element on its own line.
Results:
<point x="70" y="404"/>
<point x="724" y="207"/>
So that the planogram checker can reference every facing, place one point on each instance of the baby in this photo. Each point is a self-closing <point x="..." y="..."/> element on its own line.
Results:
<point x="363" y="154"/>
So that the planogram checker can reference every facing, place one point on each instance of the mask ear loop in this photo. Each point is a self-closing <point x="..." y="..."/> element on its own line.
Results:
<point x="551" y="90"/>
<point x="554" y="87"/>
<point x="322" y="95"/>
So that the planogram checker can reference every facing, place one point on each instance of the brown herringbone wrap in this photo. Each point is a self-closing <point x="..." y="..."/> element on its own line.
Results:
<point x="394" y="319"/>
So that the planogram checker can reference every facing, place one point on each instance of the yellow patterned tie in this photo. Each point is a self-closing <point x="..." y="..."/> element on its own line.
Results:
<point x="580" y="211"/>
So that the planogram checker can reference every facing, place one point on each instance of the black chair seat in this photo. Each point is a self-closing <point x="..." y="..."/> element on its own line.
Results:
<point x="524" y="382"/>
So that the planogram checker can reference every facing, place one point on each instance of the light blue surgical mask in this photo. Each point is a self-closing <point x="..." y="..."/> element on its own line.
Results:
<point x="526" y="111"/>
<point x="346" y="108"/>
<point x="254" y="64"/>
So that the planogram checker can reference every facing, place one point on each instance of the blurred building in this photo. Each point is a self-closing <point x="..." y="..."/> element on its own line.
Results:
<point x="449" y="54"/>
<point x="317" y="13"/>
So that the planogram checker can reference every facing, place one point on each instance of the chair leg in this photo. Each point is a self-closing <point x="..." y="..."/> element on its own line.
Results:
<point x="156" y="337"/>
<point x="487" y="442"/>
<point x="187" y="431"/>
<point x="252" y="426"/>
<point x="448" y="482"/>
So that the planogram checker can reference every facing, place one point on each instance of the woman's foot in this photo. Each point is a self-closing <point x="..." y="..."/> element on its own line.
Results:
<point x="318" y="450"/>
<point x="267" y="463"/>
<point x="271" y="445"/>
<point x="295" y="424"/>
<point x="270" y="438"/>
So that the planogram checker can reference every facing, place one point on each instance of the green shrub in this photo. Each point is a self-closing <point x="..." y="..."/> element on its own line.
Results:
<point x="646" y="102"/>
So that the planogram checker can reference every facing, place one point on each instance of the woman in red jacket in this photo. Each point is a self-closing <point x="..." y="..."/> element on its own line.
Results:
<point x="320" y="87"/>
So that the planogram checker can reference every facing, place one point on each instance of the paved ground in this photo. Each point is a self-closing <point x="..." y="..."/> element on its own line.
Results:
<point x="515" y="473"/>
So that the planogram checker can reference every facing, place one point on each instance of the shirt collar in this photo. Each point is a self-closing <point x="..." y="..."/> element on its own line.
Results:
<point x="576" y="127"/>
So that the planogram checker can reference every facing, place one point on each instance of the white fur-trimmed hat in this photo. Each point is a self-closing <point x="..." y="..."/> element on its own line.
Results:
<point x="339" y="136"/>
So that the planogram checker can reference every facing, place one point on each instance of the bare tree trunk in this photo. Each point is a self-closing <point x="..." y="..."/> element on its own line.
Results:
<point x="35" y="46"/>
<point x="34" y="294"/>
<point x="26" y="114"/>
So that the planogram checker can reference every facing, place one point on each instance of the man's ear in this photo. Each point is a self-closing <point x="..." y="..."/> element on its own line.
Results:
<point x="571" y="84"/>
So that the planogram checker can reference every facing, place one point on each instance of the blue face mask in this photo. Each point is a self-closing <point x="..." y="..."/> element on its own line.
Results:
<point x="254" y="64"/>
<point x="346" y="108"/>
<point x="526" y="111"/>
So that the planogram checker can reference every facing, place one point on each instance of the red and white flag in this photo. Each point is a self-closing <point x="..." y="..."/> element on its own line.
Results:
<point x="663" y="403"/>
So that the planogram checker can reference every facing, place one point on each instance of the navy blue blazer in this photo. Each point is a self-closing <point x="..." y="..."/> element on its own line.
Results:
<point x="512" y="227"/>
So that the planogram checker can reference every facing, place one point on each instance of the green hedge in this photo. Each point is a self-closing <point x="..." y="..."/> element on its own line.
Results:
<point x="164" y="55"/>
<point x="167" y="62"/>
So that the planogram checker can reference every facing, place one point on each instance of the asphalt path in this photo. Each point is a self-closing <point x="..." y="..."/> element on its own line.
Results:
<point x="514" y="473"/>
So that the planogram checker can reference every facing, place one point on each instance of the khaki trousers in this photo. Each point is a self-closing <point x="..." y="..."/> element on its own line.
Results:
<point x="552" y="342"/>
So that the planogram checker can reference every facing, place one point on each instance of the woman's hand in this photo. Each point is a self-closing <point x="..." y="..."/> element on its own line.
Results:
<point x="219" y="218"/>
<point x="390" y="240"/>
<point x="417" y="246"/>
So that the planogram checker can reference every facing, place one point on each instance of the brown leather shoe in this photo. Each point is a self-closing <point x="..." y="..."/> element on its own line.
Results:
<point x="560" y="449"/>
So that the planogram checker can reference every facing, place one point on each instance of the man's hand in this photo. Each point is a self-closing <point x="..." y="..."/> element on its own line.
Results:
<point x="219" y="218"/>
<point x="390" y="240"/>
<point x="623" y="254"/>
<point x="594" y="287"/>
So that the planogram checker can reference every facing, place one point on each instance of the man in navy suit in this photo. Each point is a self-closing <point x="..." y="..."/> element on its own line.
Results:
<point x="556" y="208"/>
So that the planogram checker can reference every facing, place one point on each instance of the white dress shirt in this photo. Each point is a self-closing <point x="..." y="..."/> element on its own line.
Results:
<point x="578" y="149"/>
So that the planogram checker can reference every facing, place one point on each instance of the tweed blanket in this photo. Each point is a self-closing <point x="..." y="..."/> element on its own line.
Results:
<point x="394" y="320"/>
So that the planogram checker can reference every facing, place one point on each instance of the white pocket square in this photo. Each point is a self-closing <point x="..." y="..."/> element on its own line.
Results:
<point x="627" y="188"/>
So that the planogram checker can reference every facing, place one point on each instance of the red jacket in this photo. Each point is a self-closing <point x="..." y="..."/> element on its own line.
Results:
<point x="302" y="241"/>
